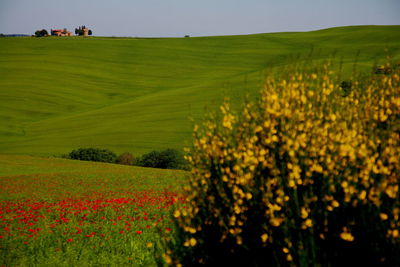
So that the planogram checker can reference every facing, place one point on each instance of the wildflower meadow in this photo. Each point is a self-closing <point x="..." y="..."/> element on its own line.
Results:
<point x="71" y="213"/>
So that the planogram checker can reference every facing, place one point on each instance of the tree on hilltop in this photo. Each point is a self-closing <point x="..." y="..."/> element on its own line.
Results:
<point x="41" y="33"/>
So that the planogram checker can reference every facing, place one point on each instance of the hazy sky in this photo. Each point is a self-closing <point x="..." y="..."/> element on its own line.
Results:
<point x="194" y="17"/>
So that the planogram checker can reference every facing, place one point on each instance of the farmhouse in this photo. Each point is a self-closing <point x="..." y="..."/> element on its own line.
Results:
<point x="83" y="31"/>
<point x="60" y="32"/>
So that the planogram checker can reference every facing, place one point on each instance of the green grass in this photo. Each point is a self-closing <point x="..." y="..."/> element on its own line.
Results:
<point x="137" y="95"/>
<point x="123" y="206"/>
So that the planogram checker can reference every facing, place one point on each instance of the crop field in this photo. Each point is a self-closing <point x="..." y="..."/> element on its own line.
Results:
<point x="56" y="212"/>
<point x="140" y="94"/>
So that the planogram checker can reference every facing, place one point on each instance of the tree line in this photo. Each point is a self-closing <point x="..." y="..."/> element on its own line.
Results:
<point x="164" y="159"/>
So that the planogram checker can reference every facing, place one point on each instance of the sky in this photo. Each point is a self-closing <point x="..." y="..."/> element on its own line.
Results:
<point x="176" y="18"/>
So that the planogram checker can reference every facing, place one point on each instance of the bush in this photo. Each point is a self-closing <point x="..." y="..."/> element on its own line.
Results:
<point x="303" y="177"/>
<point x="93" y="154"/>
<point x="126" y="159"/>
<point x="166" y="159"/>
<point x="41" y="33"/>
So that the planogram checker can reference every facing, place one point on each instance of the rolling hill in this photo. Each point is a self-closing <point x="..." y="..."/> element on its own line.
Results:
<point x="138" y="94"/>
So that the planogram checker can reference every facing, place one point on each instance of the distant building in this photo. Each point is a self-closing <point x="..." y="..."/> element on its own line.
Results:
<point x="59" y="32"/>
<point x="83" y="31"/>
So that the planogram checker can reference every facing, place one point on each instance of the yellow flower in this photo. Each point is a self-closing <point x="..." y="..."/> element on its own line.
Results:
<point x="335" y="204"/>
<point x="237" y="209"/>
<point x="177" y="214"/>
<point x="258" y="129"/>
<point x="149" y="245"/>
<point x="347" y="236"/>
<point x="308" y="222"/>
<point x="291" y="183"/>
<point x="392" y="190"/>
<point x="362" y="195"/>
<point x="276" y="221"/>
<point x="304" y="213"/>
<point x="264" y="237"/>
<point x="192" y="242"/>
<point x="383" y="216"/>
<point x="248" y="196"/>
<point x="274" y="97"/>
<point x="167" y="259"/>
<point x="395" y="233"/>
<point x="236" y="168"/>
<point x="228" y="120"/>
<point x="303" y="99"/>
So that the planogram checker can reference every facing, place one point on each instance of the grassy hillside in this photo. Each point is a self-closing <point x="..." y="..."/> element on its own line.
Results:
<point x="128" y="94"/>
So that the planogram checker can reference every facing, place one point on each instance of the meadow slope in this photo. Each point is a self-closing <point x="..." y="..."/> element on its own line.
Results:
<point x="133" y="94"/>
<point x="58" y="212"/>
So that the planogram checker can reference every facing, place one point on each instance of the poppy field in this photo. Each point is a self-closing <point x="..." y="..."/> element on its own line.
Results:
<point x="63" y="212"/>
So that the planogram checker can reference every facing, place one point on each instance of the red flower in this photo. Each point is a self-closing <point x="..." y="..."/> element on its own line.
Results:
<point x="69" y="240"/>
<point x="138" y="232"/>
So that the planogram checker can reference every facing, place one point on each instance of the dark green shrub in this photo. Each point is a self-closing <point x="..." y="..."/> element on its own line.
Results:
<point x="41" y="33"/>
<point x="126" y="159"/>
<point x="150" y="159"/>
<point x="93" y="154"/>
<point x="166" y="159"/>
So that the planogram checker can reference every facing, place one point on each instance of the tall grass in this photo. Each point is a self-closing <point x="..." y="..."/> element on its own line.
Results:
<point x="308" y="175"/>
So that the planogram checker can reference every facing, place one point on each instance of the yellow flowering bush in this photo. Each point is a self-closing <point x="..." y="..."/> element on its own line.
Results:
<point x="305" y="175"/>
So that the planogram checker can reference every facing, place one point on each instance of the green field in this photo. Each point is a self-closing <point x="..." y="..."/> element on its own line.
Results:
<point x="137" y="95"/>
<point x="57" y="212"/>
